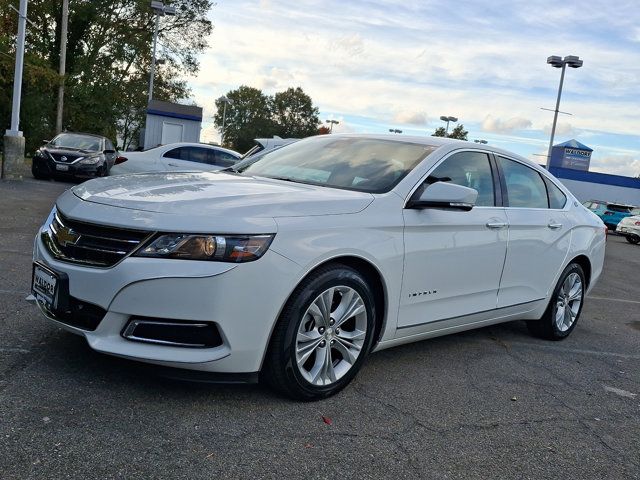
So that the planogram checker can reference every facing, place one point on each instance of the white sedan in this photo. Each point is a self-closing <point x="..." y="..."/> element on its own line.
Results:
<point x="298" y="266"/>
<point x="182" y="156"/>
<point x="630" y="228"/>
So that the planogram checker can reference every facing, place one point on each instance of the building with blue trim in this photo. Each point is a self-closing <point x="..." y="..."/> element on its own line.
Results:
<point x="570" y="164"/>
<point x="171" y="122"/>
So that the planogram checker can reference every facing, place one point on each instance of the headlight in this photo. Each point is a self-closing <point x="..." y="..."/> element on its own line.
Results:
<point x="220" y="248"/>
<point x="90" y="161"/>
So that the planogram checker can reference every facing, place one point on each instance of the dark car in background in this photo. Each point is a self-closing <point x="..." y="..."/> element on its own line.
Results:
<point x="80" y="155"/>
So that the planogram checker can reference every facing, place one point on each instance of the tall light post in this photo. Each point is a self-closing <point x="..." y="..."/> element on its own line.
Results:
<point x="331" y="124"/>
<point x="63" y="62"/>
<point x="481" y="141"/>
<point x="558" y="62"/>
<point x="448" y="119"/>
<point x="227" y="101"/>
<point x="160" y="10"/>
<point x="13" y="139"/>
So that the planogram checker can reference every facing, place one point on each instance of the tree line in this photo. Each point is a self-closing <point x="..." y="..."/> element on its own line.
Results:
<point x="108" y="60"/>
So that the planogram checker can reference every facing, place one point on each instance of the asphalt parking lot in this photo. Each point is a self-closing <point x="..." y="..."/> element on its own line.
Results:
<point x="491" y="403"/>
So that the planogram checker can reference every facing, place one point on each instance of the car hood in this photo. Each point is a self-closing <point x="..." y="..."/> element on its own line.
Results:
<point x="219" y="194"/>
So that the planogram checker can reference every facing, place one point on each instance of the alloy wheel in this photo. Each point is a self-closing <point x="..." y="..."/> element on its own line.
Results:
<point x="331" y="335"/>
<point x="568" y="302"/>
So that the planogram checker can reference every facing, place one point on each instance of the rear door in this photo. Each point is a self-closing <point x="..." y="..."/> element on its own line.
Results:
<point x="539" y="233"/>
<point x="453" y="259"/>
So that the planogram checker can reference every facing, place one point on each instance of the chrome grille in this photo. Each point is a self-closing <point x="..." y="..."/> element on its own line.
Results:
<point x="86" y="243"/>
<point x="64" y="158"/>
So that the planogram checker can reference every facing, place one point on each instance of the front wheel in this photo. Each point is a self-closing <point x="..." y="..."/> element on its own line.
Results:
<point x="323" y="335"/>
<point x="565" y="307"/>
<point x="632" y="238"/>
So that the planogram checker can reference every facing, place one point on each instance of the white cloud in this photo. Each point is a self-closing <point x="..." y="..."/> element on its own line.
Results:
<point x="563" y="129"/>
<point x="409" y="117"/>
<point x="497" y="125"/>
<point x="617" y="164"/>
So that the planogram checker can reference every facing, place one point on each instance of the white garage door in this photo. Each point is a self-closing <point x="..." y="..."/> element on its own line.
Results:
<point x="171" y="132"/>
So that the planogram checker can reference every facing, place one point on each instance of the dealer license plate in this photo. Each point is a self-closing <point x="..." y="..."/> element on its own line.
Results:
<point x="62" y="168"/>
<point x="44" y="286"/>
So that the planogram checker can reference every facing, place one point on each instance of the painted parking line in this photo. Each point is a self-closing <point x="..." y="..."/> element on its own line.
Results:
<point x="581" y="351"/>
<point x="623" y="300"/>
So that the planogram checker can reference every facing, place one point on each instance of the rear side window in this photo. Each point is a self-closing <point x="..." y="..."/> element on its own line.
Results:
<point x="618" y="208"/>
<point x="525" y="187"/>
<point x="557" y="199"/>
<point x="220" y="158"/>
<point x="178" y="153"/>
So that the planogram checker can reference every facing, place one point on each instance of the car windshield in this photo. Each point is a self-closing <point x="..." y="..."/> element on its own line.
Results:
<point x="76" y="142"/>
<point x="363" y="164"/>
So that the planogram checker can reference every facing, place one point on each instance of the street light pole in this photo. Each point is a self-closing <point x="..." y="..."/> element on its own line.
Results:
<point x="331" y="124"/>
<point x="153" y="58"/>
<point x="63" y="61"/>
<point x="226" y="100"/>
<point x="160" y="9"/>
<point x="448" y="119"/>
<point x="17" y="76"/>
<point x="557" y="62"/>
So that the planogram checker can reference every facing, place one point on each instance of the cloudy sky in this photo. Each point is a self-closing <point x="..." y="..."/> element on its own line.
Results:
<point x="375" y="65"/>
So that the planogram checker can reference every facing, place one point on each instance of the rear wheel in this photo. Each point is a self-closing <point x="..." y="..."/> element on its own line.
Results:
<point x="565" y="307"/>
<point x="323" y="335"/>
<point x="632" y="238"/>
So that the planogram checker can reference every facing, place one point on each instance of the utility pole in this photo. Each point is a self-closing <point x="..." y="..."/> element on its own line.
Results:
<point x="13" y="158"/>
<point x="63" y="61"/>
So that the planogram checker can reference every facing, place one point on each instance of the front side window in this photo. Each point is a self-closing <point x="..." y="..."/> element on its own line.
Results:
<point x="364" y="164"/>
<point x="525" y="187"/>
<point x="469" y="169"/>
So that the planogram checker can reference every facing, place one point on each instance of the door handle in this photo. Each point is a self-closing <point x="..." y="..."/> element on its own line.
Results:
<point x="496" y="225"/>
<point x="554" y="226"/>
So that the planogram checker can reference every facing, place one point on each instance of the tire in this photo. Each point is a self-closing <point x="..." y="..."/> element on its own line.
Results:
<point x="304" y="338"/>
<point x="37" y="175"/>
<point x="554" y="325"/>
<point x="632" y="238"/>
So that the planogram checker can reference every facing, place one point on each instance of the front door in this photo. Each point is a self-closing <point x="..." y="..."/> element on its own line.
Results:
<point x="454" y="259"/>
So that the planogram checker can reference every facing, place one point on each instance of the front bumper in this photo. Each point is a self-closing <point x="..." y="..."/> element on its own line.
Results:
<point x="48" y="167"/>
<point x="235" y="297"/>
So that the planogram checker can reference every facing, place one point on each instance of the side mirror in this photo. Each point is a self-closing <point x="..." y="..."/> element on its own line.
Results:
<point x="120" y="160"/>
<point x="109" y="152"/>
<point x="444" y="195"/>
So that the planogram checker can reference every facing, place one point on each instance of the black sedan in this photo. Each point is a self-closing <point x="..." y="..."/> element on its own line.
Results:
<point x="74" y="154"/>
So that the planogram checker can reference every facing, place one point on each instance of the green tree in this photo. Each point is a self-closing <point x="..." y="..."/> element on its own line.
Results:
<point x="247" y="117"/>
<point x="108" y="60"/>
<point x="458" y="132"/>
<point x="294" y="114"/>
<point x="252" y="114"/>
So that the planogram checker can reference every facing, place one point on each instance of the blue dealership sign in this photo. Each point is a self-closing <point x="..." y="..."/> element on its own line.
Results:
<point x="571" y="154"/>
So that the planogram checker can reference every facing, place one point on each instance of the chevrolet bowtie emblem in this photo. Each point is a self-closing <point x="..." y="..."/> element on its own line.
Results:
<point x="67" y="236"/>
